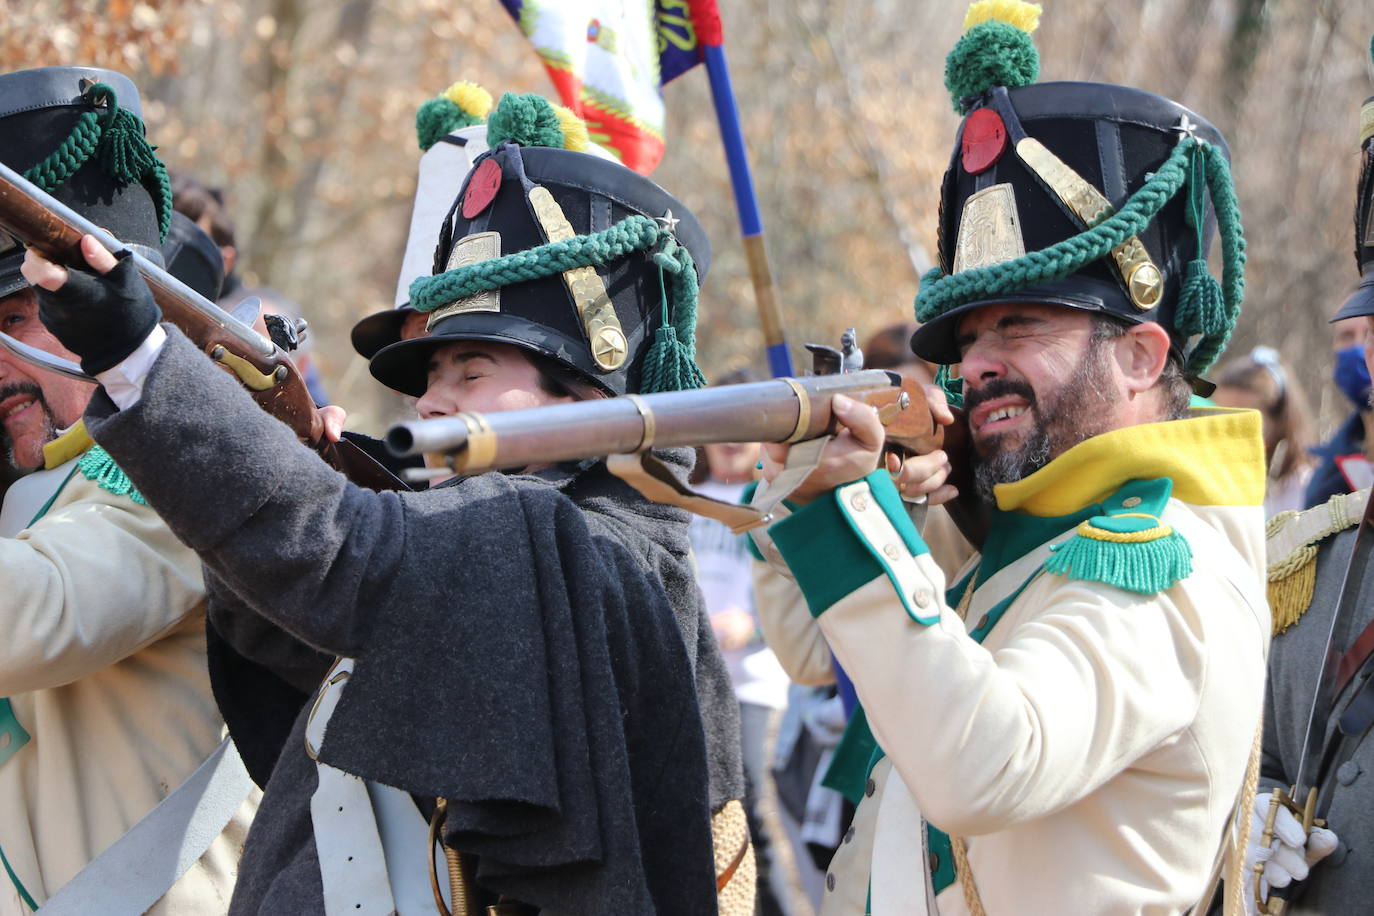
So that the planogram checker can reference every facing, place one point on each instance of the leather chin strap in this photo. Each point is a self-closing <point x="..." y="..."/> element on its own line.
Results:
<point x="656" y="481"/>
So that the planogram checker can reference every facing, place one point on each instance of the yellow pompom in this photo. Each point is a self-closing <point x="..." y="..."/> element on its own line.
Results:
<point x="1025" y="16"/>
<point x="574" y="129"/>
<point x="470" y="97"/>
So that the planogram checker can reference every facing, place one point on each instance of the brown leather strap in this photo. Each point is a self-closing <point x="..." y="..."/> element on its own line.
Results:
<point x="657" y="481"/>
<point x="1354" y="658"/>
<point x="724" y="877"/>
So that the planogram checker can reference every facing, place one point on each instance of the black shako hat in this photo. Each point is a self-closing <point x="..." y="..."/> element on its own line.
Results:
<point x="191" y="256"/>
<point x="564" y="254"/>
<point x="1042" y="178"/>
<point x="84" y="145"/>
<point x="1361" y="302"/>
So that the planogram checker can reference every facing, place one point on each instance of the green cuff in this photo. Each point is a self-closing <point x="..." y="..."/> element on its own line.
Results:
<point x="827" y="556"/>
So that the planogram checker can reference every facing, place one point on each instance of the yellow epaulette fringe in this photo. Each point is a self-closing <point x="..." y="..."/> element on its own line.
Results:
<point x="1292" y="571"/>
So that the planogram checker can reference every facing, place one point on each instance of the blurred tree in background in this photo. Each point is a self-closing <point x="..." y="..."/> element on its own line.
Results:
<point x="303" y="110"/>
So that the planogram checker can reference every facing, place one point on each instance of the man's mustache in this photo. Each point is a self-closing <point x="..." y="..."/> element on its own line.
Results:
<point x="29" y="388"/>
<point x="998" y="388"/>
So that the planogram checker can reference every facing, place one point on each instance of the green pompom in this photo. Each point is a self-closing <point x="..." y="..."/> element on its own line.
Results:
<point x="990" y="54"/>
<point x="528" y="120"/>
<point x="437" y="118"/>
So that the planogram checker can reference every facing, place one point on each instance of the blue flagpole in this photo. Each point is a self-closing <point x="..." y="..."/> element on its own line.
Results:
<point x="747" y="206"/>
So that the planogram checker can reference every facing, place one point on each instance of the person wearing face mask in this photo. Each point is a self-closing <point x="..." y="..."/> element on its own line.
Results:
<point x="1343" y="461"/>
<point x="1321" y="593"/>
<point x="1069" y="725"/>
<point x="526" y="676"/>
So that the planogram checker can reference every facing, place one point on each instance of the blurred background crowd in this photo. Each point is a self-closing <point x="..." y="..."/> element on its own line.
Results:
<point x="290" y="127"/>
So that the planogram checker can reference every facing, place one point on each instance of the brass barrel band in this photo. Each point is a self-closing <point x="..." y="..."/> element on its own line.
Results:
<point x="803" y="410"/>
<point x="480" y="450"/>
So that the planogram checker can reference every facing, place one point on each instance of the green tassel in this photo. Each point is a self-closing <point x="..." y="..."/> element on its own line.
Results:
<point x="98" y="467"/>
<point x="1201" y="305"/>
<point x="951" y="386"/>
<point x="1144" y="567"/>
<point x="668" y="366"/>
<point x="124" y="152"/>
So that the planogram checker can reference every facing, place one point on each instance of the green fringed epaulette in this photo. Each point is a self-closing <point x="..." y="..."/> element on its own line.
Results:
<point x="1291" y="542"/>
<point x="97" y="466"/>
<point x="1128" y="546"/>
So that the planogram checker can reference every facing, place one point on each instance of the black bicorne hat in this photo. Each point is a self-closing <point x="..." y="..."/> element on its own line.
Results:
<point x="77" y="133"/>
<point x="1043" y="178"/>
<point x="567" y="255"/>
<point x="1361" y="302"/>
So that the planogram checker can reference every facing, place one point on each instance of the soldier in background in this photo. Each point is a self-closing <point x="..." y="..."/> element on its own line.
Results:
<point x="102" y="617"/>
<point x="1312" y="570"/>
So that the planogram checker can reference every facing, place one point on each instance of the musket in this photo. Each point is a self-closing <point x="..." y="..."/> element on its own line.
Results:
<point x="45" y="224"/>
<point x="781" y="410"/>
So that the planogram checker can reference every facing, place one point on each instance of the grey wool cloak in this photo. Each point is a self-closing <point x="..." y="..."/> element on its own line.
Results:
<point x="532" y="649"/>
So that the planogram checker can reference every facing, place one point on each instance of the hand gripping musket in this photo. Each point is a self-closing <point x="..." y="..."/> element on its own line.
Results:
<point x="43" y="223"/>
<point x="627" y="428"/>
<point x="1310" y="795"/>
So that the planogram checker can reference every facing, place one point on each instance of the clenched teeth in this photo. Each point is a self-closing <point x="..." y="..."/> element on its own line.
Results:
<point x="1003" y="413"/>
<point x="16" y="408"/>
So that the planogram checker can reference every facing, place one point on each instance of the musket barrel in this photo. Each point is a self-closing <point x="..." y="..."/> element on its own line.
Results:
<point x="38" y="219"/>
<point x="759" y="412"/>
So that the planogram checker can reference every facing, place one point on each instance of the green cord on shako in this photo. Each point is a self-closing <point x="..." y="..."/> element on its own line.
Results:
<point x="1088" y="196"/>
<point x="566" y="254"/>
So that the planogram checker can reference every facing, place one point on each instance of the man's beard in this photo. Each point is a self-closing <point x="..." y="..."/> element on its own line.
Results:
<point x="31" y="389"/>
<point x="1076" y="411"/>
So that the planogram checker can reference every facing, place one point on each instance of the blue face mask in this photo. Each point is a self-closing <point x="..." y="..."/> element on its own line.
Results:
<point x="1352" y="376"/>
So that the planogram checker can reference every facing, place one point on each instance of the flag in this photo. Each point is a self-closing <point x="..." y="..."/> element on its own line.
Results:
<point x="609" y="60"/>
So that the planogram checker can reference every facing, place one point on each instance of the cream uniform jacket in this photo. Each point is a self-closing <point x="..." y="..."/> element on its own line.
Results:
<point x="102" y="658"/>
<point x="1090" y="748"/>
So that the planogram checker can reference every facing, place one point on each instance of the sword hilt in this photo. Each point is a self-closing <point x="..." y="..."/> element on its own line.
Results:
<point x="1279" y="897"/>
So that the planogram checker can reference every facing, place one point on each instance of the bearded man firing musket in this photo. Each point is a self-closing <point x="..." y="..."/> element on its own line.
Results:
<point x="1064" y="726"/>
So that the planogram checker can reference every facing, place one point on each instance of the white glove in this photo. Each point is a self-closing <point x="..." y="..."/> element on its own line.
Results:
<point x="1287" y="858"/>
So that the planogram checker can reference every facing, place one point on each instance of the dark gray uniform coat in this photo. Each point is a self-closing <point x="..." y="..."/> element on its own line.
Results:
<point x="1344" y="881"/>
<point x="533" y="649"/>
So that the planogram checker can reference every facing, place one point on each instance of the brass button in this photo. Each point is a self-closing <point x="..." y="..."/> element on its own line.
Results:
<point x="870" y="787"/>
<point x="830" y="881"/>
<point x="891" y="551"/>
<point x="859" y="502"/>
<point x="934" y="862"/>
<point x="1131" y="502"/>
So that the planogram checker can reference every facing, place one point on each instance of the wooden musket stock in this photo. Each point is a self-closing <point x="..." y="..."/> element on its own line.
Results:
<point x="54" y="230"/>
<point x="782" y="410"/>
